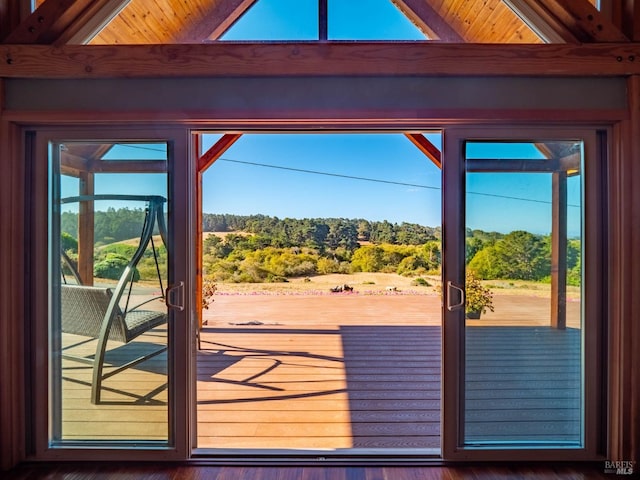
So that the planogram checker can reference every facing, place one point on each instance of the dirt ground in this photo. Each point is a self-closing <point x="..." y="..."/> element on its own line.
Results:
<point x="288" y="311"/>
<point x="365" y="283"/>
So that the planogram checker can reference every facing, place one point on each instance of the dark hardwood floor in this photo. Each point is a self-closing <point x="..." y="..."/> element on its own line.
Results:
<point x="200" y="472"/>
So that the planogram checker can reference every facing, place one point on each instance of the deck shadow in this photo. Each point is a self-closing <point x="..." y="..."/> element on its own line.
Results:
<point x="393" y="384"/>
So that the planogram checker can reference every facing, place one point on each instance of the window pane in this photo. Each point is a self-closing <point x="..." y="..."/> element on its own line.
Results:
<point x="108" y="272"/>
<point x="273" y="20"/>
<point x="371" y="20"/>
<point x="523" y="332"/>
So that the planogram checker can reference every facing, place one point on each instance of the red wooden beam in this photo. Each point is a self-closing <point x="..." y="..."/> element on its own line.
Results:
<point x="626" y="15"/>
<point x="10" y="16"/>
<point x="426" y="147"/>
<point x="86" y="229"/>
<point x="47" y="22"/>
<point x="224" y="59"/>
<point x="581" y="18"/>
<point x="221" y="146"/>
<point x="204" y="162"/>
<point x="559" y="251"/>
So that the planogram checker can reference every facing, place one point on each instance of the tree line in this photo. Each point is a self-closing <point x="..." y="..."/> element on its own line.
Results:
<point x="111" y="225"/>
<point x="259" y="248"/>
<point x="270" y="249"/>
<point x="321" y="232"/>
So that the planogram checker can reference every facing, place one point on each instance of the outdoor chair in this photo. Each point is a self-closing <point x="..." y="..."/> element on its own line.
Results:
<point x="94" y="312"/>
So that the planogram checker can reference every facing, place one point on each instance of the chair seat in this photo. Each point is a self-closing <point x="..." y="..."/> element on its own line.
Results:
<point x="140" y="321"/>
<point x="93" y="312"/>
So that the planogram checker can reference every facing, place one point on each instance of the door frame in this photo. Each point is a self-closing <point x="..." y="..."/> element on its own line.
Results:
<point x="183" y="337"/>
<point x="594" y="293"/>
<point x="180" y="229"/>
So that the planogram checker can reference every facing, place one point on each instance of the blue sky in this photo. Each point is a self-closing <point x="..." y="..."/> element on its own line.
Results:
<point x="347" y="20"/>
<point x="247" y="189"/>
<point x="495" y="202"/>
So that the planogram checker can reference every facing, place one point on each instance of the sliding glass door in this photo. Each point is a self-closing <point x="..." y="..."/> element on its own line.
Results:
<point x="114" y="323"/>
<point x="522" y="274"/>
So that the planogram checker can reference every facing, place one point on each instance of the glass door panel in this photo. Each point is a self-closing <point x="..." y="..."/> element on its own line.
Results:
<point x="109" y="270"/>
<point x="520" y="332"/>
<point x="523" y="323"/>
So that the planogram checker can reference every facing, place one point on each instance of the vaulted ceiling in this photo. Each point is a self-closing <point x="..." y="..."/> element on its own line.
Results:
<point x="169" y="21"/>
<point x="196" y="21"/>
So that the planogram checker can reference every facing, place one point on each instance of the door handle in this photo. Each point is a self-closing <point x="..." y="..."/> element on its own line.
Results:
<point x="456" y="306"/>
<point x="179" y="289"/>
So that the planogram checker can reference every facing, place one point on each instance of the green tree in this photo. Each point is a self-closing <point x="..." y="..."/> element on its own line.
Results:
<point x="473" y="246"/>
<point x="574" y="263"/>
<point x="368" y="258"/>
<point x="519" y="255"/>
<point x="524" y="256"/>
<point x="383" y="232"/>
<point x="487" y="264"/>
<point x="432" y="254"/>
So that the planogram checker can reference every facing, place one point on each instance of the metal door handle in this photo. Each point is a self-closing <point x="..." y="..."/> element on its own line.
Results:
<point x="168" y="294"/>
<point x="456" y="306"/>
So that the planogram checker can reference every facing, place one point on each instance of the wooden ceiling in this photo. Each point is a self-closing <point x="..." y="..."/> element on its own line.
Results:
<point x="195" y="21"/>
<point x="152" y="22"/>
<point x="171" y="21"/>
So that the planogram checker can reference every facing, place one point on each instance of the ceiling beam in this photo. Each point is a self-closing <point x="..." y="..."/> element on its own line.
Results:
<point x="320" y="59"/>
<point x="492" y="165"/>
<point x="571" y="163"/>
<point x="91" y="21"/>
<point x="546" y="26"/>
<point x="428" y="20"/>
<point x="217" y="149"/>
<point x="11" y="13"/>
<point x="47" y="22"/>
<point x="426" y="147"/>
<point x="128" y="166"/>
<point x="579" y="17"/>
<point x="99" y="151"/>
<point x="626" y="15"/>
<point x="74" y="163"/>
<point x="217" y="20"/>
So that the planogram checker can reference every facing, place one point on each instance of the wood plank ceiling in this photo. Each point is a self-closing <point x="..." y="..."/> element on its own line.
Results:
<point x="152" y="22"/>
<point x="195" y="21"/>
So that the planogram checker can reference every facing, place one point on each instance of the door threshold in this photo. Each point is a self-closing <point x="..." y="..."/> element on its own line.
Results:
<point x="320" y="456"/>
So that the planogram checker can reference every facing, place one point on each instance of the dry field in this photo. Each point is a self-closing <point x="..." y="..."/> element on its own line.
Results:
<point x="363" y="283"/>
<point x="387" y="283"/>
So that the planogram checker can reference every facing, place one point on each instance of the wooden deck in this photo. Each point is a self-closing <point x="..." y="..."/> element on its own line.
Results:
<point x="357" y="372"/>
<point x="351" y="387"/>
<point x="134" y="402"/>
<point x="363" y="372"/>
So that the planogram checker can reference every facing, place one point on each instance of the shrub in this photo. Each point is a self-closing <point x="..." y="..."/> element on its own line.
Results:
<point x="208" y="289"/>
<point x="411" y="265"/>
<point x="112" y="267"/>
<point x="68" y="243"/>
<point x="328" y="265"/>
<point x="477" y="297"/>
<point x="119" y="249"/>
